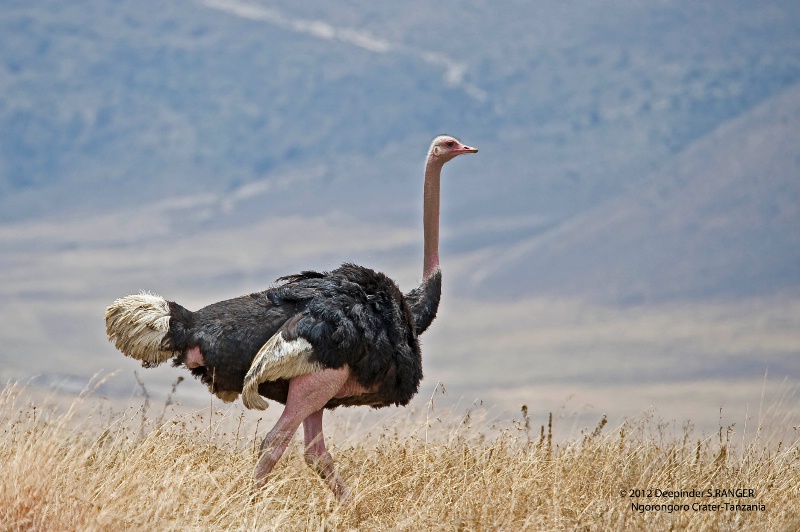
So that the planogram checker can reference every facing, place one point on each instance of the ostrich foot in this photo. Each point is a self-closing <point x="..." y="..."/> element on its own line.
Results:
<point x="271" y="450"/>
<point x="319" y="459"/>
<point x="324" y="467"/>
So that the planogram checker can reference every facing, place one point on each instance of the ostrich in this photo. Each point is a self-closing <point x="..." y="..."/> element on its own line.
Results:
<point x="312" y="341"/>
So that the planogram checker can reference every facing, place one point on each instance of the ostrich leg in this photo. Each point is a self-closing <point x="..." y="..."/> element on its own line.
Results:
<point x="307" y="394"/>
<point x="318" y="457"/>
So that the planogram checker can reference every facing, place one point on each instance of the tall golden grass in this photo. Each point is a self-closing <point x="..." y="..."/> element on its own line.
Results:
<point x="87" y="467"/>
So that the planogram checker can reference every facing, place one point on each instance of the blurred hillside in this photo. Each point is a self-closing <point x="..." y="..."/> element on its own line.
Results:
<point x="632" y="153"/>
<point x="721" y="219"/>
<point x="108" y="104"/>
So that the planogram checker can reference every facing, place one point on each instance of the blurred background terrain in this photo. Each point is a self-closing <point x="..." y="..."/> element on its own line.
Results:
<point x="627" y="239"/>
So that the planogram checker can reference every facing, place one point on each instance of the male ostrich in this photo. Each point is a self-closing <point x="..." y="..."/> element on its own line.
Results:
<point x="313" y="341"/>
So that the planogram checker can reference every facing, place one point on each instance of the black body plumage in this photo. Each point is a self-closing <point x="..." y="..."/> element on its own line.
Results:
<point x="351" y="315"/>
<point x="424" y="301"/>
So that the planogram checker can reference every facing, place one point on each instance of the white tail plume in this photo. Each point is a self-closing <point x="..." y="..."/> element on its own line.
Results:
<point x="137" y="325"/>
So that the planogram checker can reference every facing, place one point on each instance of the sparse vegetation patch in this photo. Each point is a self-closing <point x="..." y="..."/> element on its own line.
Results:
<point x="85" y="466"/>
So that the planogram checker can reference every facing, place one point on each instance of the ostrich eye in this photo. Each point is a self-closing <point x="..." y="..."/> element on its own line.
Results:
<point x="449" y="143"/>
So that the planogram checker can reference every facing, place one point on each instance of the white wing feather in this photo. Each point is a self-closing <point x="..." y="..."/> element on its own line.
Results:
<point x="277" y="359"/>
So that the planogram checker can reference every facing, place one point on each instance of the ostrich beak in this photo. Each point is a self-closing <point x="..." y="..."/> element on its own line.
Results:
<point x="467" y="149"/>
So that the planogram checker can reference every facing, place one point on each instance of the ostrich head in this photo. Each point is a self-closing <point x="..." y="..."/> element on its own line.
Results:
<point x="444" y="147"/>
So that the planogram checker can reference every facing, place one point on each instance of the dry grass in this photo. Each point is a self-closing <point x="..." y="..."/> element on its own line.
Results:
<point x="83" y="468"/>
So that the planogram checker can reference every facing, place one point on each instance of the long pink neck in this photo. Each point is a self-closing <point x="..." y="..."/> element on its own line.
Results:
<point x="430" y="217"/>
